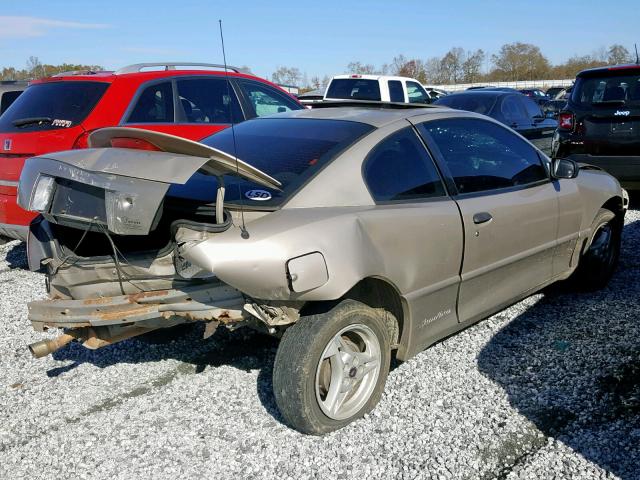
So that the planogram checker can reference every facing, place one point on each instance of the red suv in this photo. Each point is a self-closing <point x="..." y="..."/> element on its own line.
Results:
<point x="60" y="112"/>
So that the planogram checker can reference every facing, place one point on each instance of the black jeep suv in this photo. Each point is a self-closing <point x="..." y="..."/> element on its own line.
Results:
<point x="600" y="123"/>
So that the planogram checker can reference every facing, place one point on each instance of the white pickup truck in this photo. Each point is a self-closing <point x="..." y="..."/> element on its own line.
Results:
<point x="377" y="88"/>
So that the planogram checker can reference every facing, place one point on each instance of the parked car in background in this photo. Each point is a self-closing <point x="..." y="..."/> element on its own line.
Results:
<point x="349" y="233"/>
<point x="536" y="95"/>
<point x="511" y="108"/>
<point x="551" y="92"/>
<point x="376" y="88"/>
<point x="311" y="97"/>
<point x="600" y="124"/>
<point x="435" y="93"/>
<point x="552" y="108"/>
<point x="9" y="91"/>
<point x="59" y="113"/>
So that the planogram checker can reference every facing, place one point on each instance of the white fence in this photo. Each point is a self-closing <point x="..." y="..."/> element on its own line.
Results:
<point x="542" y="84"/>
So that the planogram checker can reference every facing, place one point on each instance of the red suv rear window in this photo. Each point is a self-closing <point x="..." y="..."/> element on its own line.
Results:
<point x="48" y="106"/>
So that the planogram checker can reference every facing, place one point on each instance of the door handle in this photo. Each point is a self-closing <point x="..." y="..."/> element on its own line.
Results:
<point x="482" y="217"/>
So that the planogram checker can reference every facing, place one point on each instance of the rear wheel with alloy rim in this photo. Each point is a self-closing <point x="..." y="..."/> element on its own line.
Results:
<point x="331" y="368"/>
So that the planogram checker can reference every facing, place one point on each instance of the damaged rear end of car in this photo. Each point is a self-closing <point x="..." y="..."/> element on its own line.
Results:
<point x="112" y="241"/>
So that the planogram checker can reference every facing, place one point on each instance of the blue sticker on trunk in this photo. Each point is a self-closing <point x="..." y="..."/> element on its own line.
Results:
<point x="259" y="195"/>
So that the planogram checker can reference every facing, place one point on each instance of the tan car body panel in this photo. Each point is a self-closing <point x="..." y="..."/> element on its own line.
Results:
<point x="417" y="248"/>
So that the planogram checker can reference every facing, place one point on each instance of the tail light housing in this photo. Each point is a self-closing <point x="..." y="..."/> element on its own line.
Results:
<point x="566" y="121"/>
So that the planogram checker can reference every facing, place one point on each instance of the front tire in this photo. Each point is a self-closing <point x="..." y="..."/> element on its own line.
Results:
<point x="599" y="261"/>
<point x="331" y="368"/>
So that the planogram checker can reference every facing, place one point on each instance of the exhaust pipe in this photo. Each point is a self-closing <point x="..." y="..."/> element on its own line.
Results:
<point x="46" y="347"/>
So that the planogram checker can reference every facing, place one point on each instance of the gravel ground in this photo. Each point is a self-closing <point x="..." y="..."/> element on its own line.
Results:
<point x="548" y="388"/>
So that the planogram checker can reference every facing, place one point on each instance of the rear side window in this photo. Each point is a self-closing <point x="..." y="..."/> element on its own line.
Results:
<point x="7" y="99"/>
<point x="613" y="90"/>
<point x="55" y="104"/>
<point x="532" y="108"/>
<point x="396" y="93"/>
<point x="207" y="100"/>
<point x="512" y="109"/>
<point x="481" y="155"/>
<point x="399" y="168"/>
<point x="266" y="100"/>
<point x="154" y="105"/>
<point x="354" y="89"/>
<point x="473" y="103"/>
<point x="416" y="93"/>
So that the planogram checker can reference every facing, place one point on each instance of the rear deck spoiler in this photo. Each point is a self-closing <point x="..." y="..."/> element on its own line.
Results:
<point x="218" y="163"/>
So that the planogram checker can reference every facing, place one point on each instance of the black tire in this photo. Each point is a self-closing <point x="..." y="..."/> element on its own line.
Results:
<point x="600" y="259"/>
<point x="298" y="362"/>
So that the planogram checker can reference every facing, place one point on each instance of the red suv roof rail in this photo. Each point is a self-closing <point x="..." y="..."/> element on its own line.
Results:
<point x="137" y="67"/>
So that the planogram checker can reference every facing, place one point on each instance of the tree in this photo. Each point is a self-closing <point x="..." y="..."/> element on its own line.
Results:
<point x="520" y="61"/>
<point x="361" y="68"/>
<point x="576" y="64"/>
<point x="34" y="67"/>
<point x="472" y="66"/>
<point x="451" y="65"/>
<point x="287" y="76"/>
<point x="413" y="68"/>
<point x="315" y="82"/>
<point x="618" y="54"/>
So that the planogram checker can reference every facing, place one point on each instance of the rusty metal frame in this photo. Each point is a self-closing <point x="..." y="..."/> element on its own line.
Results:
<point x="202" y="302"/>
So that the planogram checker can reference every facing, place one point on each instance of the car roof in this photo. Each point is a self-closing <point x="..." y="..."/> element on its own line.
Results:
<point x="609" y="68"/>
<point x="484" y="93"/>
<point x="111" y="76"/>
<point x="376" y="117"/>
<point x="357" y="76"/>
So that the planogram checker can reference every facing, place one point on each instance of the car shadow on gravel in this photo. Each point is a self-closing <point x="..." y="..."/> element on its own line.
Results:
<point x="17" y="256"/>
<point x="243" y="349"/>
<point x="571" y="365"/>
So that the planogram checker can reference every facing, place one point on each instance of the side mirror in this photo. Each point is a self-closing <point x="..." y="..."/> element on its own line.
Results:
<point x="564" y="168"/>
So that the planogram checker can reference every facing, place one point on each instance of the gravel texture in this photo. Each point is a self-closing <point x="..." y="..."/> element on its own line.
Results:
<point x="548" y="388"/>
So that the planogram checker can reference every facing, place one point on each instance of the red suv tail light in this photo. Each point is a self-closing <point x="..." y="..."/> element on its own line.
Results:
<point x="565" y="121"/>
<point x="136" y="143"/>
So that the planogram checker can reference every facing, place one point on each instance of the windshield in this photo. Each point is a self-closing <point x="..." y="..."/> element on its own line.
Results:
<point x="354" y="89"/>
<point x="613" y="90"/>
<point x="48" y="106"/>
<point x="291" y="150"/>
<point x="479" y="103"/>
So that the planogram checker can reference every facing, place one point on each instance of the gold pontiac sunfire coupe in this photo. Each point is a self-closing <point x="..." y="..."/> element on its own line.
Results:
<point x="348" y="232"/>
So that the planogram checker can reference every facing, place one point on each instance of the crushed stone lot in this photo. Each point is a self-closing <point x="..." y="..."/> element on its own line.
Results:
<point x="548" y="388"/>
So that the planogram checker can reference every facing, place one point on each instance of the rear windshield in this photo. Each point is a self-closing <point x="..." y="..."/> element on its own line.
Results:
<point x="291" y="150"/>
<point x="354" y="89"/>
<point x="472" y="103"/>
<point x="47" y="106"/>
<point x="615" y="89"/>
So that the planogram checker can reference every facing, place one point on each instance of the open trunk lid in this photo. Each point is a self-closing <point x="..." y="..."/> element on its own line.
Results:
<point x="123" y="188"/>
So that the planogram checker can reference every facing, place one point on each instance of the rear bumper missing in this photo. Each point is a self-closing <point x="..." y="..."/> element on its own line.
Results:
<point x="153" y="309"/>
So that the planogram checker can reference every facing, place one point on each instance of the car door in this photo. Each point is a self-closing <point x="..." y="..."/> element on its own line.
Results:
<point x="189" y="107"/>
<point x="416" y="228"/>
<point x="515" y="114"/>
<point x="509" y="209"/>
<point x="416" y="93"/>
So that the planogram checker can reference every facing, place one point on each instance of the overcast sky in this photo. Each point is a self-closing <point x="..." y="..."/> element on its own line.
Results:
<point x="319" y="38"/>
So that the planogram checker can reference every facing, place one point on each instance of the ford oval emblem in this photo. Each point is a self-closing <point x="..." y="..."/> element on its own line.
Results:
<point x="259" y="195"/>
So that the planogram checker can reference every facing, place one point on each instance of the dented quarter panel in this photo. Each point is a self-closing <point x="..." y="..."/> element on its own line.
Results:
<point x="415" y="247"/>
